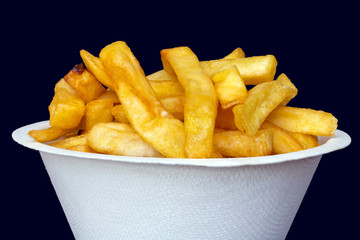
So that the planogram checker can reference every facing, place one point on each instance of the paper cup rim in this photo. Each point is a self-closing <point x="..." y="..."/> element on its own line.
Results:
<point x="339" y="141"/>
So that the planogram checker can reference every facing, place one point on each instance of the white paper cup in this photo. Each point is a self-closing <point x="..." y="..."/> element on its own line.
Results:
<point x="116" y="197"/>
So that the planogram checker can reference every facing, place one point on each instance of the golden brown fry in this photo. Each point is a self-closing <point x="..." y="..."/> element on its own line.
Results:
<point x="95" y="66"/>
<point x="48" y="134"/>
<point x="230" y="87"/>
<point x="119" y="139"/>
<point x="304" y="120"/>
<point x="283" y="141"/>
<point x="143" y="108"/>
<point x="200" y="100"/>
<point x="98" y="111"/>
<point x="84" y="83"/>
<point x="238" y="144"/>
<point x="262" y="99"/>
<point x="66" y="108"/>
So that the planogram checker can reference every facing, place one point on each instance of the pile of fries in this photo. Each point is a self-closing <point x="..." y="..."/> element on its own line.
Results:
<point x="231" y="107"/>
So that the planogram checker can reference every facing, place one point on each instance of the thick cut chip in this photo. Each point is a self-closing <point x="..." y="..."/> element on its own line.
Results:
<point x="253" y="70"/>
<point x="142" y="107"/>
<point x="48" y="134"/>
<point x="98" y="111"/>
<point x="67" y="108"/>
<point x="304" y="120"/>
<point x="283" y="141"/>
<point x="283" y="79"/>
<point x="238" y="144"/>
<point x="230" y="87"/>
<point x="200" y="100"/>
<point x="119" y="139"/>
<point x="84" y="83"/>
<point x="95" y="66"/>
<point x="262" y="99"/>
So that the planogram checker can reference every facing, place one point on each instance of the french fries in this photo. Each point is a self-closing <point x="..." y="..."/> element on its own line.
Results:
<point x="96" y="67"/>
<point x="142" y="107"/>
<point x="238" y="144"/>
<point x="119" y="139"/>
<point x="261" y="100"/>
<point x="302" y="120"/>
<point x="190" y="109"/>
<point x="67" y="108"/>
<point x="200" y="100"/>
<point x="230" y="87"/>
<point x="84" y="83"/>
<point x="49" y="134"/>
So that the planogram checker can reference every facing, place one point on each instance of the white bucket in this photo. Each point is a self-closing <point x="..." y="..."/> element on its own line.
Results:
<point x="116" y="197"/>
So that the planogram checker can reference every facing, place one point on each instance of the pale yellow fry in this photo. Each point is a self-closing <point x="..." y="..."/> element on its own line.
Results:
<point x="95" y="66"/>
<point x="119" y="139"/>
<point x="143" y="108"/>
<point x="262" y="99"/>
<point x="283" y="141"/>
<point x="200" y="100"/>
<point x="230" y="87"/>
<point x="304" y="120"/>
<point x="237" y="144"/>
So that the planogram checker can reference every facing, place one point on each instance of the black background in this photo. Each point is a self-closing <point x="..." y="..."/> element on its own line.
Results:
<point x="316" y="45"/>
